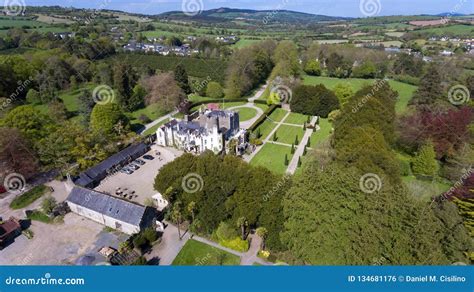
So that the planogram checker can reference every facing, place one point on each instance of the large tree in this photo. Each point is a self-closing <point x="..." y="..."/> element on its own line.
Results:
<point x="162" y="89"/>
<point x="181" y="77"/>
<point x="313" y="100"/>
<point x="16" y="153"/>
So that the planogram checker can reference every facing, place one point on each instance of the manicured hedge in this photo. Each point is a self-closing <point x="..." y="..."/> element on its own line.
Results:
<point x="263" y="117"/>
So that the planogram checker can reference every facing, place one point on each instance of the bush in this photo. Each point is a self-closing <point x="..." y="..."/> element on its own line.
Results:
<point x="29" y="197"/>
<point x="225" y="232"/>
<point x="214" y="90"/>
<point x="48" y="204"/>
<point x="37" y="215"/>
<point x="236" y="244"/>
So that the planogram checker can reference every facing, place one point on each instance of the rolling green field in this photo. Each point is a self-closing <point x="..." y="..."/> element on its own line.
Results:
<point x="287" y="134"/>
<point x="195" y="253"/>
<point x="242" y="43"/>
<point x="272" y="157"/>
<point x="455" y="30"/>
<point x="404" y="90"/>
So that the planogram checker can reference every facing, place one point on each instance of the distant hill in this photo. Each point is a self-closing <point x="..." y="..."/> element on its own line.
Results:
<point x="249" y="15"/>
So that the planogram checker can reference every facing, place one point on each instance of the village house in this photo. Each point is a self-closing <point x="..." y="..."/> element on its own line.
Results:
<point x="113" y="212"/>
<point x="211" y="130"/>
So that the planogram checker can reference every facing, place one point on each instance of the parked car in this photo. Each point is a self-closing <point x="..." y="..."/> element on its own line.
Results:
<point x="148" y="157"/>
<point x="126" y="170"/>
<point x="133" y="166"/>
<point x="139" y="161"/>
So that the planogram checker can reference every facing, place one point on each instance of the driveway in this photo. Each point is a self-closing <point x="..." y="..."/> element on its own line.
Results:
<point x="169" y="247"/>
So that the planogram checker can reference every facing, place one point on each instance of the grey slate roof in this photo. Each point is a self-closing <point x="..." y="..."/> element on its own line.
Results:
<point x="108" y="205"/>
<point x="98" y="171"/>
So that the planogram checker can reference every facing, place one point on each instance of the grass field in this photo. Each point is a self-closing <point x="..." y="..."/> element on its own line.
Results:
<point x="296" y="118"/>
<point x="152" y="111"/>
<point x="405" y="91"/>
<point x="246" y="113"/>
<point x="278" y="114"/>
<point x="287" y="134"/>
<point x="321" y="135"/>
<point x="245" y="43"/>
<point x="272" y="157"/>
<point x="195" y="253"/>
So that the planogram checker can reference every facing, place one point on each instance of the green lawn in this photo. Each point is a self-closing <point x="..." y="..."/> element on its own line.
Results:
<point x="152" y="111"/>
<point x="265" y="128"/>
<point x="272" y="157"/>
<point x="264" y="107"/>
<point x="287" y="134"/>
<point x="296" y="118"/>
<point x="70" y="97"/>
<point x="322" y="134"/>
<point x="278" y="114"/>
<point x="153" y="129"/>
<point x="195" y="253"/>
<point x="246" y="113"/>
<point x="404" y="90"/>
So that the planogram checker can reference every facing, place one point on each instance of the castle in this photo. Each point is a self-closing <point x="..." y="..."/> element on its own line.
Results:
<point x="210" y="130"/>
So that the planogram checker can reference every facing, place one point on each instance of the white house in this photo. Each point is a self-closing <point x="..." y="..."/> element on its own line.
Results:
<point x="160" y="202"/>
<point x="212" y="130"/>
<point x="110" y="211"/>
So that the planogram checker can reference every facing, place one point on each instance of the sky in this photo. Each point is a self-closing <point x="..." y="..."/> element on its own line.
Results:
<point x="348" y="8"/>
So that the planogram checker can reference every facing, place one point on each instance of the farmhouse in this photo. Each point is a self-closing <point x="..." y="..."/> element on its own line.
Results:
<point x="211" y="130"/>
<point x="110" y="211"/>
<point x="94" y="175"/>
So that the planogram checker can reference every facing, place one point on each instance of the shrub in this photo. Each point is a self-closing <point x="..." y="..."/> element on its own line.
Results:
<point x="236" y="244"/>
<point x="214" y="90"/>
<point x="29" y="197"/>
<point x="225" y="232"/>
